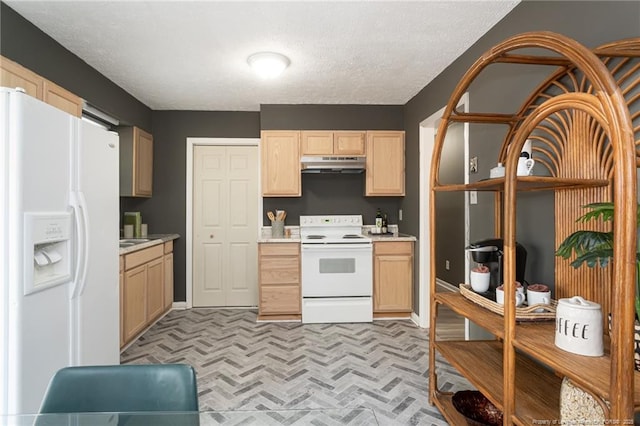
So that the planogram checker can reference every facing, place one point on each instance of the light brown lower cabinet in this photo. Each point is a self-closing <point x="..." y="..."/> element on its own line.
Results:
<point x="392" y="278"/>
<point x="143" y="285"/>
<point x="135" y="302"/>
<point x="168" y="275"/>
<point x="279" y="280"/>
<point x="155" y="288"/>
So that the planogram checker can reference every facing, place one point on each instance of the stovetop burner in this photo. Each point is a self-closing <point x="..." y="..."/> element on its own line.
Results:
<point x="332" y="230"/>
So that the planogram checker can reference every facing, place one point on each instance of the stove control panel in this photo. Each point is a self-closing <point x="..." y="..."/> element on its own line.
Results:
<point x="331" y="221"/>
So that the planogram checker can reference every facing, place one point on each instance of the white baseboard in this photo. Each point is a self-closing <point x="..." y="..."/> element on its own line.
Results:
<point x="447" y="286"/>
<point x="179" y="305"/>
<point x="415" y="318"/>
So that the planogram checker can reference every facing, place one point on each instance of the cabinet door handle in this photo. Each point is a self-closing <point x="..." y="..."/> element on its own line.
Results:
<point x="211" y="236"/>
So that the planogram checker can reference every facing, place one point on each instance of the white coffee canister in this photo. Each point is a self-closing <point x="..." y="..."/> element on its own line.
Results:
<point x="579" y="326"/>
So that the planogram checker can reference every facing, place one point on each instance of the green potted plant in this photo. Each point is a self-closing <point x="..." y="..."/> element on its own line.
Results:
<point x="596" y="248"/>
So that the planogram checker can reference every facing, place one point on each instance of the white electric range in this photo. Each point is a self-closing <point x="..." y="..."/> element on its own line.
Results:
<point x="337" y="269"/>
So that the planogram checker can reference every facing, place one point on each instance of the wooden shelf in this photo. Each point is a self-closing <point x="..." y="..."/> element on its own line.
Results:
<point x="537" y="388"/>
<point x="525" y="183"/>
<point x="492" y="322"/>
<point x="443" y="401"/>
<point x="538" y="340"/>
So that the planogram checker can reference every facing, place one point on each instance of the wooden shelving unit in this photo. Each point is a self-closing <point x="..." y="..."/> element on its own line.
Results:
<point x="582" y="132"/>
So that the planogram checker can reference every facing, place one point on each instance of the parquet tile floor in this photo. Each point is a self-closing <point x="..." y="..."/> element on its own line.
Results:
<point x="285" y="373"/>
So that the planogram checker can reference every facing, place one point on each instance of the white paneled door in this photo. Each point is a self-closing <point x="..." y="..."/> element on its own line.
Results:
<point x="225" y="220"/>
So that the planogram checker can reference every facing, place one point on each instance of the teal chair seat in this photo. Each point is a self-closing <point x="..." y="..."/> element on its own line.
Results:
<point x="123" y="388"/>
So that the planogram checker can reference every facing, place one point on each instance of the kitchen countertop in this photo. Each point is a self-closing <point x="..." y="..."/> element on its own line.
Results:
<point x="392" y="237"/>
<point x="154" y="239"/>
<point x="265" y="235"/>
<point x="291" y="239"/>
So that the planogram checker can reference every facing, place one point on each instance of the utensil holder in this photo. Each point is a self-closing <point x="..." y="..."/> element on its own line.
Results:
<point x="277" y="228"/>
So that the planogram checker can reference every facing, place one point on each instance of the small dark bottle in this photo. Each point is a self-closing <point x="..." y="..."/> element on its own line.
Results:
<point x="378" y="221"/>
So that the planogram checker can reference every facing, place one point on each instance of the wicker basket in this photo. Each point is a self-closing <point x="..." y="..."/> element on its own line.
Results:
<point x="526" y="313"/>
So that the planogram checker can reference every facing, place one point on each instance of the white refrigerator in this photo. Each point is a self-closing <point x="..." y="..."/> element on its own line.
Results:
<point x="59" y="253"/>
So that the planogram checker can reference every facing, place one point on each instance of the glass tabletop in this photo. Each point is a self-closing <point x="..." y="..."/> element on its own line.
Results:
<point x="355" y="416"/>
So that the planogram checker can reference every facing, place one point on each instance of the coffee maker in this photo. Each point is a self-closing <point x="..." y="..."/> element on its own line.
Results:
<point x="490" y="253"/>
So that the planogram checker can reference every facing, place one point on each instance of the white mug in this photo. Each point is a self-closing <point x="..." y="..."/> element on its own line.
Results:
<point x="525" y="165"/>
<point x="480" y="281"/>
<point x="538" y="298"/>
<point x="500" y="296"/>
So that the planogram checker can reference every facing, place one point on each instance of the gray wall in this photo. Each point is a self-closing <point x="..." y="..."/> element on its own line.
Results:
<point x="332" y="193"/>
<point x="450" y="205"/>
<point x="165" y="212"/>
<point x="591" y="23"/>
<point x="24" y="43"/>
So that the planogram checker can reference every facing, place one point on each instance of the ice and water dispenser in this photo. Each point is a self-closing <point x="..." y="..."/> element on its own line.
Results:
<point x="47" y="250"/>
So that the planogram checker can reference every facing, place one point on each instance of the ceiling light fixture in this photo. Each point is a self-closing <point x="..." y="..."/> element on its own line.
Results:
<point x="268" y="64"/>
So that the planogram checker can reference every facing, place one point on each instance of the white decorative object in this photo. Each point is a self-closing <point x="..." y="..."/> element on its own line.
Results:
<point x="526" y="149"/>
<point x="579" y="327"/>
<point x="497" y="171"/>
<point x="525" y="165"/>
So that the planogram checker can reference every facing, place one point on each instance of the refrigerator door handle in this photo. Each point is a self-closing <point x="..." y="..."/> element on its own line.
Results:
<point x="79" y="205"/>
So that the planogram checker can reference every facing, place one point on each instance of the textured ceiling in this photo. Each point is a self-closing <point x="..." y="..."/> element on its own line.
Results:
<point x="191" y="55"/>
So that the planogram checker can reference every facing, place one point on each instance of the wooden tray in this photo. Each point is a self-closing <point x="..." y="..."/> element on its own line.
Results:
<point x="525" y="313"/>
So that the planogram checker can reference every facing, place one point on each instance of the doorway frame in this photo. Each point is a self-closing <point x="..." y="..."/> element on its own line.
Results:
<point x="191" y="144"/>
<point x="428" y="129"/>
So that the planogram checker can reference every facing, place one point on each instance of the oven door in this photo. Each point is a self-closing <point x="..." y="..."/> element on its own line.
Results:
<point x="337" y="270"/>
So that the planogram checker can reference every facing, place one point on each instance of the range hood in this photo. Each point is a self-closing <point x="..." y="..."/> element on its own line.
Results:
<point x="326" y="164"/>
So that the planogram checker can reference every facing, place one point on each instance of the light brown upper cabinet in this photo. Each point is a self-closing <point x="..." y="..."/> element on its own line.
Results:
<point x="62" y="99"/>
<point x="332" y="143"/>
<point x="136" y="162"/>
<point x="385" y="163"/>
<point x="280" y="161"/>
<point x="14" y="75"/>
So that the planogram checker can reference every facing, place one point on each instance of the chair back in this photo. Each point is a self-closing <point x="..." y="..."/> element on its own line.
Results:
<point x="122" y="388"/>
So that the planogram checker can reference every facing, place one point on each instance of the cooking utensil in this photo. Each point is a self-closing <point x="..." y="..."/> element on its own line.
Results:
<point x="271" y="216"/>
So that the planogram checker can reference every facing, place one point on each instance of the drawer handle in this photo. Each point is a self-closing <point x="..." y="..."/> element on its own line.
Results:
<point x="211" y="236"/>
